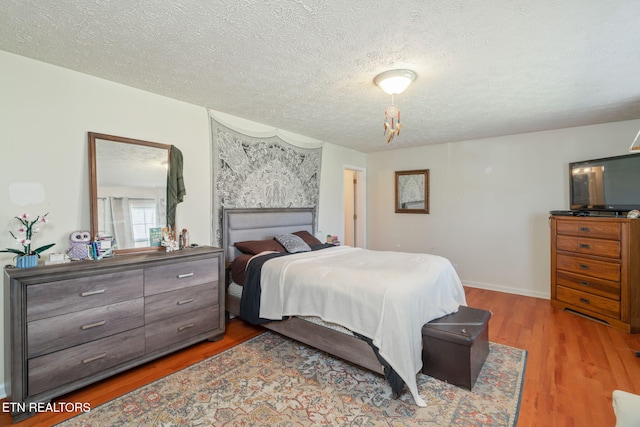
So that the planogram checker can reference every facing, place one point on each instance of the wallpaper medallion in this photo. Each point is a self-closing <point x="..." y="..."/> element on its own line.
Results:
<point x="267" y="172"/>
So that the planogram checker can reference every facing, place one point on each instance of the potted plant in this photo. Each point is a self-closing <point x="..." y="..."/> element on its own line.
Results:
<point x="26" y="257"/>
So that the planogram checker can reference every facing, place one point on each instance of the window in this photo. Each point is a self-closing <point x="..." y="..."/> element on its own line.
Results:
<point x="143" y="217"/>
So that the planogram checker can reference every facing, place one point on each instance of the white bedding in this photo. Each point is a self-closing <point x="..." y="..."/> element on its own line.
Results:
<point x="236" y="290"/>
<point x="385" y="296"/>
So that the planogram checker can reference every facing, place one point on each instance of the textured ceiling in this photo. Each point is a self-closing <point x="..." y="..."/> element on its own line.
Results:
<point x="485" y="67"/>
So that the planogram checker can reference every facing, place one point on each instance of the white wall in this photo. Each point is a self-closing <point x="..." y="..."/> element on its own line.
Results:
<point x="45" y="114"/>
<point x="490" y="201"/>
<point x="331" y="205"/>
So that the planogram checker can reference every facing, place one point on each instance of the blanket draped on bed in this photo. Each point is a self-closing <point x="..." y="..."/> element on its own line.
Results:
<point x="384" y="296"/>
<point x="250" y="311"/>
<point x="250" y="299"/>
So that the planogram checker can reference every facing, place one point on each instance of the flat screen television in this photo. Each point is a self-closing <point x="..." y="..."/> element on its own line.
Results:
<point x="609" y="184"/>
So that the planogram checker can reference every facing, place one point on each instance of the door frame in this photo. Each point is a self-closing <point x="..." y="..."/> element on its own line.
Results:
<point x="361" y="204"/>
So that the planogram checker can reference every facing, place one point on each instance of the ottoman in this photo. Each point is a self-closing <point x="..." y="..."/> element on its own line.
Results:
<point x="454" y="347"/>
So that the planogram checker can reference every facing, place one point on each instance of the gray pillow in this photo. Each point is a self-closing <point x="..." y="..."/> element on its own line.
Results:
<point x="292" y="243"/>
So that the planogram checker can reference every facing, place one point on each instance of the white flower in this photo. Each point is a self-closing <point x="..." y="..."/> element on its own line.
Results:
<point x="24" y="232"/>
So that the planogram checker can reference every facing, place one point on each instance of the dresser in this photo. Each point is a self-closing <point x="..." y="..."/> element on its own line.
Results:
<point x="73" y="324"/>
<point x="595" y="268"/>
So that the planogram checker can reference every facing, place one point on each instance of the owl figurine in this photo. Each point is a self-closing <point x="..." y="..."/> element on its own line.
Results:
<point x="78" y="245"/>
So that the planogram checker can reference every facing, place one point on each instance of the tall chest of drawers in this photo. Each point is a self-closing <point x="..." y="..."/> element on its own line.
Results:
<point x="595" y="268"/>
<point x="70" y="325"/>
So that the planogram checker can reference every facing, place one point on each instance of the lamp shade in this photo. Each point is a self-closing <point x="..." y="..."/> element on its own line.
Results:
<point x="394" y="82"/>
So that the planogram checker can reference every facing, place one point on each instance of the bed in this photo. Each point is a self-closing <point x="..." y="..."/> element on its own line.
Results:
<point x="341" y="338"/>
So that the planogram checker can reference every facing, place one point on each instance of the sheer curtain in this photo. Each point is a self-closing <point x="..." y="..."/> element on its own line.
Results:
<point x="121" y="221"/>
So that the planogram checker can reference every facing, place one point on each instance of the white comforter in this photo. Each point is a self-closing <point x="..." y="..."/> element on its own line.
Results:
<point x="385" y="296"/>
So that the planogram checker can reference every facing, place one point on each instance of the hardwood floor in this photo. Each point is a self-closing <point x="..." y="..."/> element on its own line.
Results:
<point x="573" y="363"/>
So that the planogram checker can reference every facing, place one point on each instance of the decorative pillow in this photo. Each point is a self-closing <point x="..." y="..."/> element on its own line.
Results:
<point x="308" y="238"/>
<point x="292" y="243"/>
<point x="254" y="247"/>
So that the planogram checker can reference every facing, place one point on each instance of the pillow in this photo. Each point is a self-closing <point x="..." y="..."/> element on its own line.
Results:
<point x="626" y="407"/>
<point x="308" y="238"/>
<point x="292" y="243"/>
<point x="239" y="268"/>
<point x="254" y="247"/>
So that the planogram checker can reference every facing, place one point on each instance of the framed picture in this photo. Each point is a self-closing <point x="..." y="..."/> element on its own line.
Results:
<point x="412" y="191"/>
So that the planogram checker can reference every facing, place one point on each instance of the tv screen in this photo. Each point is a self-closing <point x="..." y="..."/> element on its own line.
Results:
<point x="609" y="184"/>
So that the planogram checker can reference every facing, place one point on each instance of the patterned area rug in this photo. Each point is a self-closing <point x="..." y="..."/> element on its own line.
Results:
<point x="272" y="380"/>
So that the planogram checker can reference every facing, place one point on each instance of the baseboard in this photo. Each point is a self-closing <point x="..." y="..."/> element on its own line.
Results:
<point x="507" y="289"/>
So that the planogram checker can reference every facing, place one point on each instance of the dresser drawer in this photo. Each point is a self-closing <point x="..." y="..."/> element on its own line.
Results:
<point x="68" y="365"/>
<point x="47" y="335"/>
<point x="169" y="304"/>
<point x="64" y="296"/>
<point x="589" y="301"/>
<point x="589" y="267"/>
<point x="597" y="229"/>
<point x="587" y="246"/>
<point x="175" y="329"/>
<point x="588" y="284"/>
<point x="180" y="275"/>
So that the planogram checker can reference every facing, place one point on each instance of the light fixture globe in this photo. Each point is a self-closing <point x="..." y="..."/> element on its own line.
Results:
<point x="394" y="82"/>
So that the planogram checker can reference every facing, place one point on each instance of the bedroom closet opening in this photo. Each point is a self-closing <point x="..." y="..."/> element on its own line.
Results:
<point x="354" y="207"/>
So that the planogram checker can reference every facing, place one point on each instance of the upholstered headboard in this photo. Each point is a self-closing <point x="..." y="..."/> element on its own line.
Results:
<point x="240" y="224"/>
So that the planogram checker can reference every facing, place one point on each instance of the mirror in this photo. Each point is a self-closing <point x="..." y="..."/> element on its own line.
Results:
<point x="128" y="191"/>
<point x="412" y="191"/>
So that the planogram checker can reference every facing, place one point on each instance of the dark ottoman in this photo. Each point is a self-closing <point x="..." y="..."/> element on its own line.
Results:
<point x="454" y="347"/>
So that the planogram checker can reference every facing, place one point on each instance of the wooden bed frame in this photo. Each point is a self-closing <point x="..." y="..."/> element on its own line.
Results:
<point x="241" y="224"/>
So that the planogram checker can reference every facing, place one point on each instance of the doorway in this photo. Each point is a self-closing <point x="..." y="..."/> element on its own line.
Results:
<point x="354" y="207"/>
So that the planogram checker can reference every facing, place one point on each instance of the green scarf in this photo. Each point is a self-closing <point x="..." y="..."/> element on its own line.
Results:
<point x="175" y="184"/>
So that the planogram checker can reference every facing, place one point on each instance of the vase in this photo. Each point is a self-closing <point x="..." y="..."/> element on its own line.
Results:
<point x="26" y="261"/>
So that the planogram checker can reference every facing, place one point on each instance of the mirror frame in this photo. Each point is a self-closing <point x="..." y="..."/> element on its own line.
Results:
<point x="425" y="174"/>
<point x="93" y="183"/>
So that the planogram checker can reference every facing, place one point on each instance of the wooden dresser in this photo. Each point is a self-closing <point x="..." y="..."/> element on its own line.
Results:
<point x="69" y="325"/>
<point x="595" y="268"/>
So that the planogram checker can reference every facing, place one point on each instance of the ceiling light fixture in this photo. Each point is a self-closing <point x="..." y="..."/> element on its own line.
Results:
<point x="393" y="82"/>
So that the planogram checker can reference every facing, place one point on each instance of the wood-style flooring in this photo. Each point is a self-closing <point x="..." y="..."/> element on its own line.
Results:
<point x="573" y="363"/>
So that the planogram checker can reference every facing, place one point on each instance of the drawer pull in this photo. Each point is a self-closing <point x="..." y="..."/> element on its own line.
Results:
<point x="182" y="328"/>
<point x="183" y="276"/>
<point x="93" y="325"/>
<point x="584" y="266"/>
<point x="585" y="246"/>
<point x="88" y="294"/>
<point x="585" y="229"/>
<point x="585" y="283"/>
<point x="585" y="301"/>
<point x="185" y="301"/>
<point x="94" y="358"/>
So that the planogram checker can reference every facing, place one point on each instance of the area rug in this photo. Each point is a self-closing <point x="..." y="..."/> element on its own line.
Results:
<point x="271" y="380"/>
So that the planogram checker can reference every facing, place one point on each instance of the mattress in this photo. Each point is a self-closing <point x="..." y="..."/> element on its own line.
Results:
<point x="236" y="291"/>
